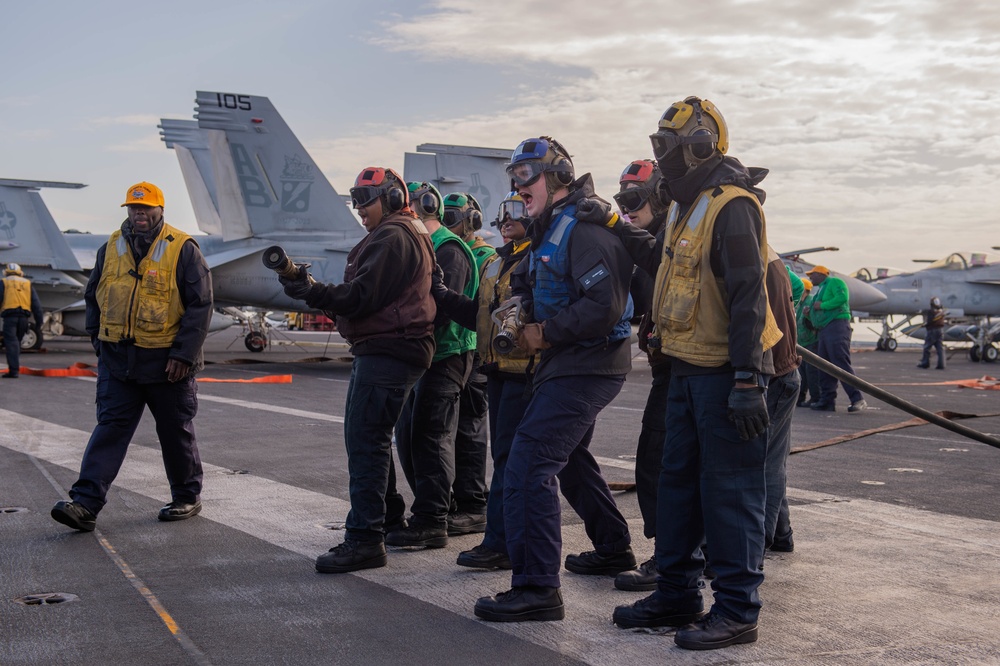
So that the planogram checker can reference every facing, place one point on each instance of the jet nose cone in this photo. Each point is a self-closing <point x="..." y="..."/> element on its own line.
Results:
<point x="864" y="295"/>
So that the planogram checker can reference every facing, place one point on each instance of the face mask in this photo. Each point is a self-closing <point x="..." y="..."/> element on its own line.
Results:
<point x="673" y="167"/>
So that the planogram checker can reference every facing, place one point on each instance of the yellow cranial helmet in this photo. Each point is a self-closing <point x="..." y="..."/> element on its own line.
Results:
<point x="696" y="125"/>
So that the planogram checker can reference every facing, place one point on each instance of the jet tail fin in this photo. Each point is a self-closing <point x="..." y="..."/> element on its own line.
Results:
<point x="266" y="183"/>
<point x="28" y="234"/>
<point x="190" y="143"/>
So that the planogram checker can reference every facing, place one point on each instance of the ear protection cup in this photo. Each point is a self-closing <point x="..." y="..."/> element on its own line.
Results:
<point x="395" y="199"/>
<point x="428" y="203"/>
<point x="702" y="151"/>
<point x="562" y="177"/>
<point x="661" y="193"/>
<point x="476" y="219"/>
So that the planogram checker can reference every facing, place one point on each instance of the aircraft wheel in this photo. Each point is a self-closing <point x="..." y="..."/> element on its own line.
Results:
<point x="974" y="355"/>
<point x="31" y="340"/>
<point x="990" y="353"/>
<point x="880" y="345"/>
<point x="255" y="342"/>
<point x="891" y="344"/>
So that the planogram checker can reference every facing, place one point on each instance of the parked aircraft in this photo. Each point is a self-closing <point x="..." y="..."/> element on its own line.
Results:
<point x="252" y="185"/>
<point x="968" y="284"/>
<point x="861" y="294"/>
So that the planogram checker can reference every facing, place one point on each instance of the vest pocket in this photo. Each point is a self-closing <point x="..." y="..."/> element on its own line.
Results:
<point x="152" y="315"/>
<point x="680" y="300"/>
<point x="680" y="305"/>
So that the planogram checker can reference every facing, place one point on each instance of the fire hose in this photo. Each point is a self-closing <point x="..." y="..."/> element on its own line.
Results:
<point x="897" y="402"/>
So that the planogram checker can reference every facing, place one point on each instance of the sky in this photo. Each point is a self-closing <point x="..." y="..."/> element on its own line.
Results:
<point x="876" y="118"/>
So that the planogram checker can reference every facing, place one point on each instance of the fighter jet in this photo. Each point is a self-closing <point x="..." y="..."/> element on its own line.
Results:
<point x="253" y="185"/>
<point x="30" y="237"/>
<point x="861" y="294"/>
<point x="968" y="284"/>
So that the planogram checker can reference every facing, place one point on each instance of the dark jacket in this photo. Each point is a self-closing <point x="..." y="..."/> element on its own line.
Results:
<point x="384" y="268"/>
<point x="641" y="288"/>
<point x="125" y="360"/>
<point x="735" y="257"/>
<point x="779" y="296"/>
<point x="592" y="312"/>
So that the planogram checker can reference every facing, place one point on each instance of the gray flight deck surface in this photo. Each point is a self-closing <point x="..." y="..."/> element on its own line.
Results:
<point x="895" y="562"/>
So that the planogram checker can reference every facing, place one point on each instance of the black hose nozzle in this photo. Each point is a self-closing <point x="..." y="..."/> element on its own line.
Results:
<point x="275" y="259"/>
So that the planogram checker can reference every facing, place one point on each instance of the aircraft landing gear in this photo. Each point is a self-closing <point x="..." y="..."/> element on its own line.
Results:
<point x="255" y="341"/>
<point x="32" y="340"/>
<point x="886" y="340"/>
<point x="983" y="349"/>
<point x="990" y="353"/>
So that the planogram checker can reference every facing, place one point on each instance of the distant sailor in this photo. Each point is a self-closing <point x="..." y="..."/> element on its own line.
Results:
<point x="18" y="301"/>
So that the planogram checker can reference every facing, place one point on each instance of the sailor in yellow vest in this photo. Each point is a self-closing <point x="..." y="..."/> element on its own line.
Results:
<point x="713" y="322"/>
<point x="18" y="301"/>
<point x="149" y="304"/>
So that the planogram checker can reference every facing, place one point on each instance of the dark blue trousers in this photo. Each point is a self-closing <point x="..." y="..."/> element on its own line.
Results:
<point x="119" y="408"/>
<point x="809" y="376"/>
<point x="933" y="340"/>
<point x="12" y="341"/>
<point x="553" y="437"/>
<point x="712" y="488"/>
<point x="507" y="405"/>
<point x="782" y="393"/>
<point x="425" y="438"/>
<point x="471" y="444"/>
<point x="375" y="395"/>
<point x="649" y="448"/>
<point x="835" y="347"/>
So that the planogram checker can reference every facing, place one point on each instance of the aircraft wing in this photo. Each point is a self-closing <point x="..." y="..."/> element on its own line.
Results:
<point x="794" y="254"/>
<point x="217" y="259"/>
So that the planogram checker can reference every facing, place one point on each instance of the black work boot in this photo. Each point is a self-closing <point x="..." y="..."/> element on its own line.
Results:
<point x="352" y="556"/>
<point x="640" y="579"/>
<point x="658" y="611"/>
<point x="482" y="557"/>
<point x="418" y="536"/>
<point x="180" y="510"/>
<point x="592" y="563"/>
<point x="466" y="523"/>
<point x="74" y="515"/>
<point x="715" y="631"/>
<point x="519" y="604"/>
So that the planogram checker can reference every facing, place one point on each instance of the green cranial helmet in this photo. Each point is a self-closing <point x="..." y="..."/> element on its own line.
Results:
<point x="462" y="213"/>
<point x="426" y="200"/>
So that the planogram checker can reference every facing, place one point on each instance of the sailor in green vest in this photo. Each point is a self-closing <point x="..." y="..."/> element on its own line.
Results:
<point x="425" y="431"/>
<point x="463" y="215"/>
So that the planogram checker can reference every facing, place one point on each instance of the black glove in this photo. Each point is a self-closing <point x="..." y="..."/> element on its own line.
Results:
<point x="438" y="288"/>
<point x="299" y="287"/>
<point x="593" y="210"/>
<point x="748" y="410"/>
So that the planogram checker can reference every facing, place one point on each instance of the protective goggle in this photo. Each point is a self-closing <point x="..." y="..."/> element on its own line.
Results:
<point x="525" y="174"/>
<point x="455" y="216"/>
<point x="365" y="195"/>
<point x="664" y="143"/>
<point x="632" y="199"/>
<point x="514" y="210"/>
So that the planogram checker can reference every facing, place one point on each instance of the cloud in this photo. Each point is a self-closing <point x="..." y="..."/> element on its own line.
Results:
<point x="872" y="115"/>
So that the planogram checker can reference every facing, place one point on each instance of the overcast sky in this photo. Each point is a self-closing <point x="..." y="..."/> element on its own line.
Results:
<point x="876" y="118"/>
